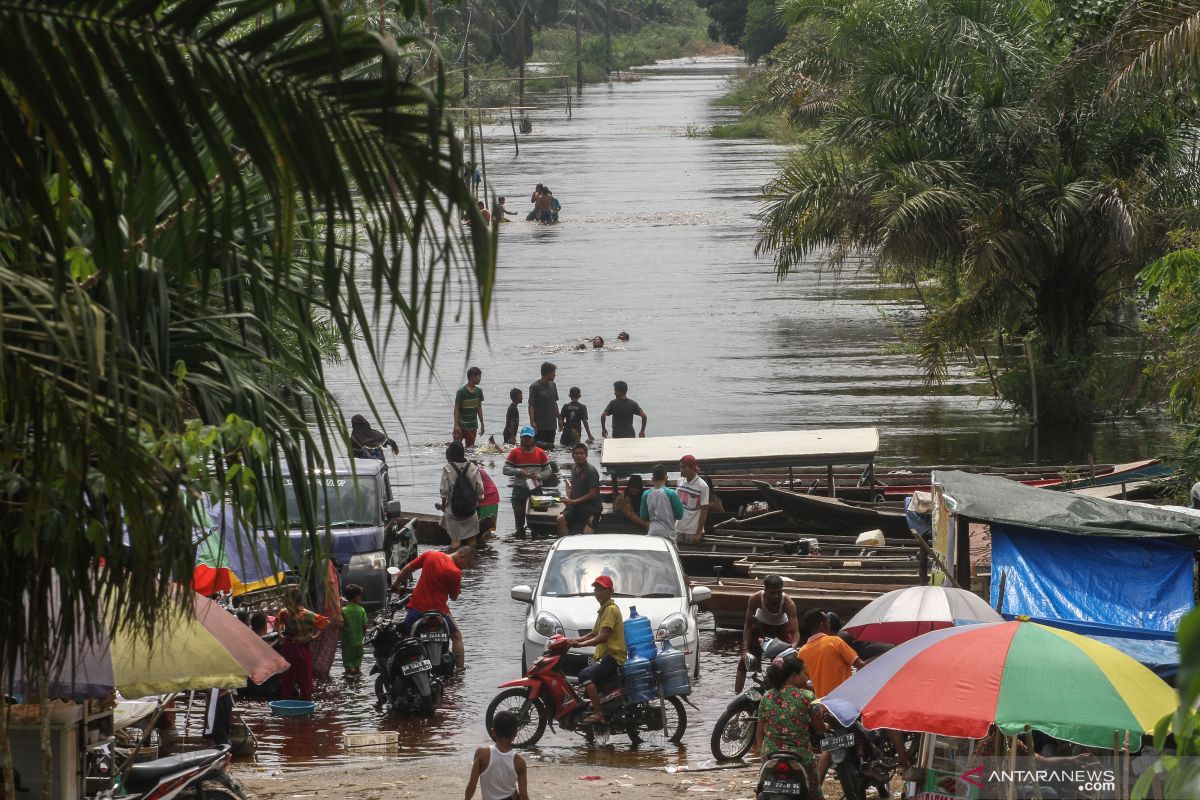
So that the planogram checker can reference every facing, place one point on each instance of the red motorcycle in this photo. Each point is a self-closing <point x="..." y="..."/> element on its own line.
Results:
<point x="544" y="697"/>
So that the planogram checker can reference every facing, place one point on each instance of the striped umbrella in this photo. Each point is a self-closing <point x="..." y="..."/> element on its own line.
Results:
<point x="231" y="556"/>
<point x="958" y="681"/>
<point x="900" y="615"/>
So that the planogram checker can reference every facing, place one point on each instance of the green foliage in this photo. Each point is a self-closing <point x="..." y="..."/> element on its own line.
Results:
<point x="727" y="20"/>
<point x="1179" y="774"/>
<point x="763" y="29"/>
<point x="195" y="211"/>
<point x="958" y="147"/>
<point x="1171" y="291"/>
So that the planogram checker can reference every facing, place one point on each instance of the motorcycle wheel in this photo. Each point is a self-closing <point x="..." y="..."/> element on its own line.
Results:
<point x="531" y="714"/>
<point x="649" y="729"/>
<point x="851" y="779"/>
<point x="734" y="734"/>
<point x="211" y="791"/>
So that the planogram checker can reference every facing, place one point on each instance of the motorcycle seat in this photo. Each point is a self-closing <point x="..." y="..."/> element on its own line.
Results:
<point x="145" y="776"/>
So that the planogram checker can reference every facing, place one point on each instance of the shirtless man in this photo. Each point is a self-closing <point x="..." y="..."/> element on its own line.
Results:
<point x="545" y="214"/>
<point x="769" y="613"/>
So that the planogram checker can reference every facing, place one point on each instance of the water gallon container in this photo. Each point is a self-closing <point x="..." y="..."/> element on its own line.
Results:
<point x="671" y="667"/>
<point x="639" y="638"/>
<point x="638" y="674"/>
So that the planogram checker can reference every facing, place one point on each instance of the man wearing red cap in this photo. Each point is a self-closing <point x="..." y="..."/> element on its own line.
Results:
<point x="608" y="636"/>
<point x="693" y="493"/>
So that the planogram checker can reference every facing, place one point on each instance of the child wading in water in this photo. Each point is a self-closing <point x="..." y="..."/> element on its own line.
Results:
<point x="497" y="769"/>
<point x="354" y="618"/>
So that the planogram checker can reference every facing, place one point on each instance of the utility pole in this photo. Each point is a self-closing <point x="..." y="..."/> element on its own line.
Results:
<point x="520" y="55"/>
<point x="466" y="51"/>
<point x="578" y="52"/>
<point x="607" y="37"/>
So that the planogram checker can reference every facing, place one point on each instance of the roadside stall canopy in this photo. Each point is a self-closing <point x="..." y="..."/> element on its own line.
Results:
<point x="1119" y="572"/>
<point x="728" y="451"/>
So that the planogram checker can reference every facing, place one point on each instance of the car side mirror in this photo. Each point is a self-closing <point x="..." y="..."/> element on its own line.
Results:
<point x="522" y="594"/>
<point x="392" y="509"/>
<point x="701" y="594"/>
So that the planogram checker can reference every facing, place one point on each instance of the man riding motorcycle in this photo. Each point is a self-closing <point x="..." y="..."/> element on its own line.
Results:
<point x="769" y="614"/>
<point x="440" y="581"/>
<point x="608" y="637"/>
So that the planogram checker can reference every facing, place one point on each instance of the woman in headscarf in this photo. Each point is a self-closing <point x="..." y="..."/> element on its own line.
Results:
<point x="367" y="442"/>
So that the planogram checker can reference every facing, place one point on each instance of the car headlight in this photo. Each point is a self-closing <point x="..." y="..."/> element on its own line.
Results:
<point x="371" y="561"/>
<point x="547" y="624"/>
<point x="673" y="626"/>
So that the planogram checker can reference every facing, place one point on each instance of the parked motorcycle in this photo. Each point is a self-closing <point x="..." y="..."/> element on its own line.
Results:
<point x="404" y="674"/>
<point x="782" y="777"/>
<point x="862" y="759"/>
<point x="199" y="775"/>
<point x="734" y="733"/>
<point x="544" y="697"/>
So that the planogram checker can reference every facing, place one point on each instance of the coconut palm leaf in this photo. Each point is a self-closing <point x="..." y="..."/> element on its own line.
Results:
<point x="193" y="209"/>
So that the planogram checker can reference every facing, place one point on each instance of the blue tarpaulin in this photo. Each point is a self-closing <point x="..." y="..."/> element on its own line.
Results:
<point x="1136" y="588"/>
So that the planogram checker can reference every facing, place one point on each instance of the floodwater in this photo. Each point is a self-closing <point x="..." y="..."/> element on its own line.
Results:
<point x="657" y="239"/>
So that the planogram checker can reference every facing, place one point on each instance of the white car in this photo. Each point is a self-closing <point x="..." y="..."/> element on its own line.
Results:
<point x="646" y="574"/>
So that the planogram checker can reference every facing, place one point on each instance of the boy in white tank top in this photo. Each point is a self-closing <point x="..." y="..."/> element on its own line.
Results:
<point x="498" y="770"/>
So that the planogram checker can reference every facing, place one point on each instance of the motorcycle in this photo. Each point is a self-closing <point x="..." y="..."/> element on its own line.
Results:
<point x="199" y="775"/>
<point x="782" y="777"/>
<point x="734" y="732"/>
<point x="544" y="697"/>
<point x="433" y="631"/>
<point x="862" y="759"/>
<point x="404" y="678"/>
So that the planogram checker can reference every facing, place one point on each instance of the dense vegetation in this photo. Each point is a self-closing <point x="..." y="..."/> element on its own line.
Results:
<point x="198" y="199"/>
<point x="1017" y="164"/>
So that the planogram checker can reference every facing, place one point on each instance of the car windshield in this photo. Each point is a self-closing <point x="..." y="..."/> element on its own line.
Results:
<point x="341" y="500"/>
<point x="635" y="573"/>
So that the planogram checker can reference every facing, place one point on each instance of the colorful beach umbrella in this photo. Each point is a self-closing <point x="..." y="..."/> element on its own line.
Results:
<point x="208" y="649"/>
<point x="902" y="614"/>
<point x="959" y="681"/>
<point x="231" y="557"/>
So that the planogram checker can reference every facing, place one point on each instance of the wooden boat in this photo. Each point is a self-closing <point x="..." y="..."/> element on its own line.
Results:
<point x="833" y="514"/>
<point x="730" y="596"/>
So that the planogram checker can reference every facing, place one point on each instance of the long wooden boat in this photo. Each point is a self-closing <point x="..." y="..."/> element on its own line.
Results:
<point x="833" y="514"/>
<point x="730" y="596"/>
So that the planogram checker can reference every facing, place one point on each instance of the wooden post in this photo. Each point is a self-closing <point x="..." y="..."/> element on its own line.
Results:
<point x="962" y="552"/>
<point x="1117" y="764"/>
<point x="1032" y="381"/>
<point x="607" y="37"/>
<point x="512" y="120"/>
<point x="569" y="114"/>
<point x="482" y="156"/>
<point x="1012" y="766"/>
<point x="578" y="50"/>
<point x="829" y="479"/>
<point x="1037" y="789"/>
<point x="466" y="14"/>
<point x="1000" y="596"/>
<point x="937" y="559"/>
<point x="521" y="56"/>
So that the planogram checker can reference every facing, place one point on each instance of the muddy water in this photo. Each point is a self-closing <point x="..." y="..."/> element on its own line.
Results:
<point x="657" y="239"/>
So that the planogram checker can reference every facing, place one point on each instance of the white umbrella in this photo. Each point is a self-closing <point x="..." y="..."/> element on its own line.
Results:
<point x="903" y="614"/>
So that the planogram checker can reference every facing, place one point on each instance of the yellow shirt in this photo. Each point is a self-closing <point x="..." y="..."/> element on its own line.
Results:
<point x="609" y="617"/>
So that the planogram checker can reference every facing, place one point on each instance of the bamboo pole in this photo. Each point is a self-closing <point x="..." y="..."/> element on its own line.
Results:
<point x="466" y="15"/>
<point x="1117" y="763"/>
<point x="1037" y="788"/>
<point x="512" y="120"/>
<point x="520" y="55"/>
<point x="1012" y="766"/>
<point x="578" y="51"/>
<point x="482" y="158"/>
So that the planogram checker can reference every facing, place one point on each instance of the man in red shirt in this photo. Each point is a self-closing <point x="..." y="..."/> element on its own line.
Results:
<point x="440" y="581"/>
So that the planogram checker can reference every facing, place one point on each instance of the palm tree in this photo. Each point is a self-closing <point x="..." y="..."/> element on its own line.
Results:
<point x="1015" y="206"/>
<point x="193" y="203"/>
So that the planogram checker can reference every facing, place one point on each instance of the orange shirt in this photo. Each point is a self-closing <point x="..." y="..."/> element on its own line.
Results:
<point x="828" y="660"/>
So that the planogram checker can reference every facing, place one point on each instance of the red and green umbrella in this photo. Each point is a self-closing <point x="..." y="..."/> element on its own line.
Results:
<point x="959" y="681"/>
<point x="226" y="561"/>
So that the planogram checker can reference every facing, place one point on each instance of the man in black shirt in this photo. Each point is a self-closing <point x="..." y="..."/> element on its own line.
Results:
<point x="543" y="406"/>
<point x="622" y="410"/>
<point x="583" y="506"/>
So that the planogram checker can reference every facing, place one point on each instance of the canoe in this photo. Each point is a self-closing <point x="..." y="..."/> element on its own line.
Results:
<point x="832" y="514"/>
<point x="730" y="596"/>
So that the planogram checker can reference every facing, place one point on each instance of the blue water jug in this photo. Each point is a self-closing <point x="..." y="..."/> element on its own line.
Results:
<point x="671" y="667"/>
<point x="638" y="674"/>
<point x="639" y="637"/>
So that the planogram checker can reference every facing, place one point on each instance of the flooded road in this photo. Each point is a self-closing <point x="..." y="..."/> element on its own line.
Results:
<point x="657" y="239"/>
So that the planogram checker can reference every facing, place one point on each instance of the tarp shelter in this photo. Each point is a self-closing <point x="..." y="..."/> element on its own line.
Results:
<point x="1100" y="567"/>
<point x="728" y="451"/>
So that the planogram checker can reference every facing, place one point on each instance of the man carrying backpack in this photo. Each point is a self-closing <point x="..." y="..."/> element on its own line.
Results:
<point x="461" y="491"/>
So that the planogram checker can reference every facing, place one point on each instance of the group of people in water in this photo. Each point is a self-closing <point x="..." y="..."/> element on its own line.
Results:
<point x="545" y="208"/>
